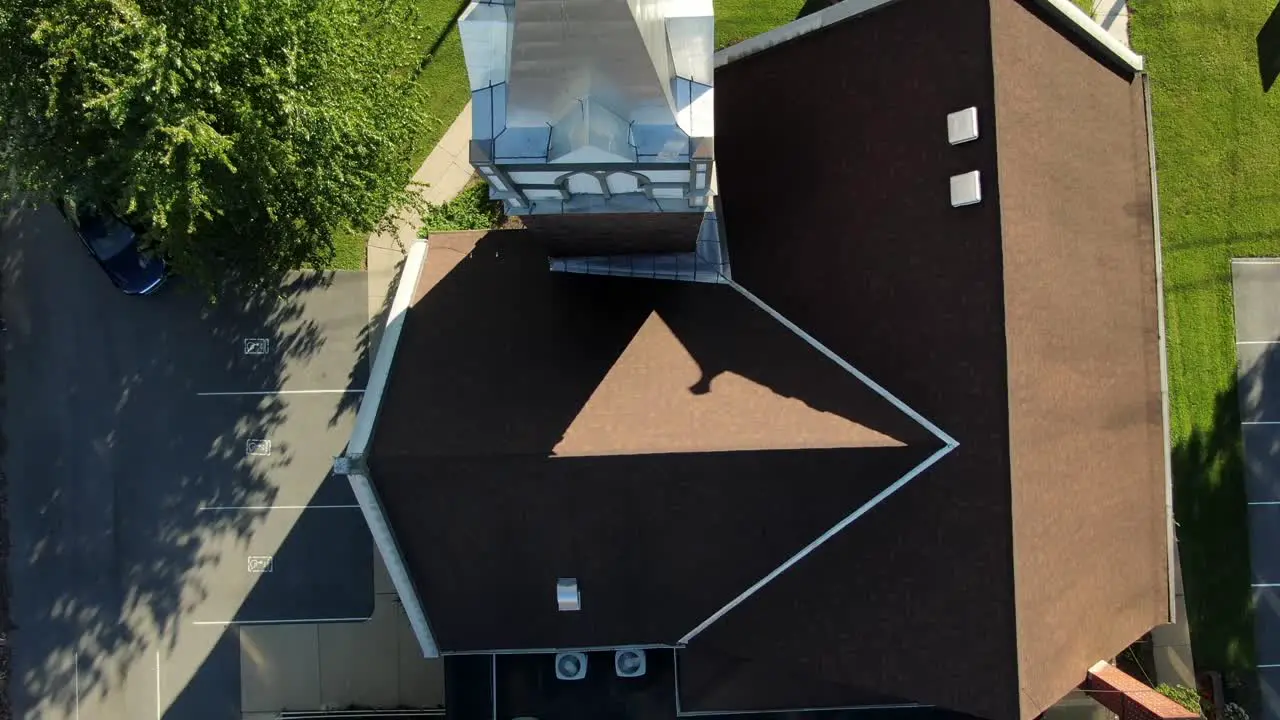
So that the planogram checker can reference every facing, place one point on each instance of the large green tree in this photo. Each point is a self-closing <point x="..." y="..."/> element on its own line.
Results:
<point x="245" y="134"/>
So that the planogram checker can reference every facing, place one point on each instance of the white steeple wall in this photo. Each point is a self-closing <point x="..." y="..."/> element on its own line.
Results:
<point x="596" y="86"/>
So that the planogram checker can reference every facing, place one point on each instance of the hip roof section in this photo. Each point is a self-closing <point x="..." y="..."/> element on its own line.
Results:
<point x="666" y="444"/>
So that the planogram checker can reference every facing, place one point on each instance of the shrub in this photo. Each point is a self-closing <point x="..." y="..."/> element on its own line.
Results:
<point x="1187" y="697"/>
<point x="471" y="210"/>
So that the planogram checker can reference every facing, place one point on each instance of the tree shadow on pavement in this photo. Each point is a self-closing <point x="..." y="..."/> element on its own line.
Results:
<point x="1212" y="468"/>
<point x="119" y="440"/>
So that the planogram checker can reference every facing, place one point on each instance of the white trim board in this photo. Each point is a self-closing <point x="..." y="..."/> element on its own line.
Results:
<point x="380" y="373"/>
<point x="366" y="418"/>
<point x="1171" y="539"/>
<point x="1095" y="34"/>
<point x="1084" y="25"/>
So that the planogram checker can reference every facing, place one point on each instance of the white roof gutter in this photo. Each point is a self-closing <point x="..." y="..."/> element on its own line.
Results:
<point x="352" y="463"/>
<point x="1084" y="26"/>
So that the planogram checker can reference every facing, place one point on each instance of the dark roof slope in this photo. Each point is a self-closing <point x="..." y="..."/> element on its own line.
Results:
<point x="914" y="600"/>
<point x="1086" y="434"/>
<point x="961" y="594"/>
<point x="666" y="444"/>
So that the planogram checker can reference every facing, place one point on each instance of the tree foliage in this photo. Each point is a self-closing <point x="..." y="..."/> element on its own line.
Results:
<point x="245" y="134"/>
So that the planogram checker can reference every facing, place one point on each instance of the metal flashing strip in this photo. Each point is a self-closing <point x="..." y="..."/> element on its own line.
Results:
<point x="570" y="168"/>
<point x="949" y="444"/>
<point x="1170" y="537"/>
<point x="366" y="419"/>
<point x="797" y="28"/>
<point x="554" y="650"/>
<point x="1094" y="33"/>
<point x="1090" y="31"/>
<point x="708" y="263"/>
<point x="720" y="713"/>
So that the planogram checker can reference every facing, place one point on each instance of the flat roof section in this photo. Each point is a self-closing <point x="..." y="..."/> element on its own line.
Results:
<point x="667" y="444"/>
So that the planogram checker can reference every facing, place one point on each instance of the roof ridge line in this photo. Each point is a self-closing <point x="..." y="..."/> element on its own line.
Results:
<point x="949" y="444"/>
<point x="844" y="364"/>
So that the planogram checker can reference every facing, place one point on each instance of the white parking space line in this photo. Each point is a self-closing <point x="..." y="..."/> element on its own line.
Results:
<point x="1258" y="342"/>
<point x="279" y="392"/>
<point x="1262" y="585"/>
<point x="1261" y="422"/>
<point x="159" y="708"/>
<point x="236" y="508"/>
<point x="77" y="666"/>
<point x="1255" y="261"/>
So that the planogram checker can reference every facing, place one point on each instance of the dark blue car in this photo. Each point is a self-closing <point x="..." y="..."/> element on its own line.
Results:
<point x="114" y="245"/>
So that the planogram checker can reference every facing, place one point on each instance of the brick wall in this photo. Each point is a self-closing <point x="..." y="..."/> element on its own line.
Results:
<point x="1128" y="697"/>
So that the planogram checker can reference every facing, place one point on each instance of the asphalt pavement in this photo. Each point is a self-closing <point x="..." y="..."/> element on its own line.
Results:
<point x="1256" y="286"/>
<point x="168" y="467"/>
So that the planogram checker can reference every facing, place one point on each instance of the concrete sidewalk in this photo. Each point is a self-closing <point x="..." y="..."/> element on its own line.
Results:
<point x="1113" y="16"/>
<point x="445" y="173"/>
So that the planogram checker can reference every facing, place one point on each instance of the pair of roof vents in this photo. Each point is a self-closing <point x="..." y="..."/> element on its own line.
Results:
<point x="962" y="127"/>
<point x="627" y="663"/>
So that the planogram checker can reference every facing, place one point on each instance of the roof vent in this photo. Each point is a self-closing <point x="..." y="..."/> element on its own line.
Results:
<point x="629" y="662"/>
<point x="571" y="666"/>
<point x="962" y="126"/>
<point x="966" y="189"/>
<point x="567" y="595"/>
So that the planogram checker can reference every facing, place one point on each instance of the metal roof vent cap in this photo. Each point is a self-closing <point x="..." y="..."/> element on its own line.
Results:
<point x="571" y="666"/>
<point x="629" y="662"/>
<point x="966" y="189"/>
<point x="568" y="599"/>
<point x="962" y="126"/>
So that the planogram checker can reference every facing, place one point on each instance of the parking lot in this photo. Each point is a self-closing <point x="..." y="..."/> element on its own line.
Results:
<point x="1255" y="284"/>
<point x="168" y="468"/>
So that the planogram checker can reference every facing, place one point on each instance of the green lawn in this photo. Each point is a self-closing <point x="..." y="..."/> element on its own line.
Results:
<point x="1218" y="153"/>
<point x="1089" y="6"/>
<point x="441" y="73"/>
<point x="738" y="20"/>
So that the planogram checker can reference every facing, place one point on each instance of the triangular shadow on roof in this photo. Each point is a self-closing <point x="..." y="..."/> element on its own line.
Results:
<point x="509" y="358"/>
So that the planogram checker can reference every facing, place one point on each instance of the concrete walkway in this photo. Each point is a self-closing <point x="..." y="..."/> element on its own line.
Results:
<point x="1171" y="644"/>
<point x="1113" y="16"/>
<point x="445" y="173"/>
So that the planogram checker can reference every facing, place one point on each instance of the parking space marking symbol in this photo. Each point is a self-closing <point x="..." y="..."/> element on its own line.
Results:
<point x="260" y="563"/>
<point x="257" y="346"/>
<point x="257" y="447"/>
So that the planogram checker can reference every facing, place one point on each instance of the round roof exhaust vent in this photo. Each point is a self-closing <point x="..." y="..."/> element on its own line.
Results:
<point x="629" y="662"/>
<point x="571" y="666"/>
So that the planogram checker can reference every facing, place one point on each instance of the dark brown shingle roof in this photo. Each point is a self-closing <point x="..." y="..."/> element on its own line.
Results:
<point x="671" y="444"/>
<point x="1025" y="326"/>
<point x="667" y="444"/>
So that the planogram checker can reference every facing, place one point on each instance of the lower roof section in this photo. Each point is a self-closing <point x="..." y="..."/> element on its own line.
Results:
<point x="483" y="686"/>
<point x="668" y="445"/>
<point x="718" y="682"/>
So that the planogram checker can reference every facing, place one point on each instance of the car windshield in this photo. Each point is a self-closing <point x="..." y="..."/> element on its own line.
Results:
<point x="107" y="236"/>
